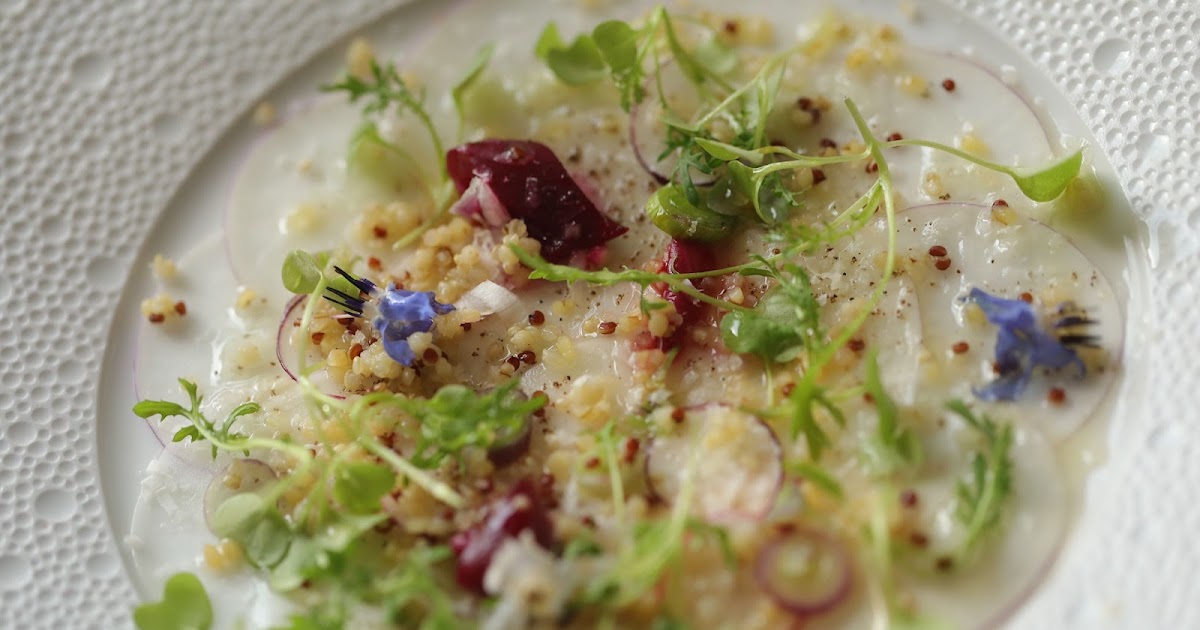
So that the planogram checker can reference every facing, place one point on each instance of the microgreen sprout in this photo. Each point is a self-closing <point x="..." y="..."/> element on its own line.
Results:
<point x="221" y="436"/>
<point x="893" y="447"/>
<point x="983" y="495"/>
<point x="385" y="89"/>
<point x="478" y="65"/>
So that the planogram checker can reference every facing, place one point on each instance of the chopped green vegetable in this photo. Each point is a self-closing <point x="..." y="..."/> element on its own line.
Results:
<point x="184" y="606"/>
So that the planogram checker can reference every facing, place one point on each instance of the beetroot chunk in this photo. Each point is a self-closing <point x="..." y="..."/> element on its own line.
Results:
<point x="519" y="510"/>
<point x="686" y="257"/>
<point x="532" y="185"/>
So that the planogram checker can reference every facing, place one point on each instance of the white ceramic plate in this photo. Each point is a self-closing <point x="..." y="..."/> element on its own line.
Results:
<point x="121" y="122"/>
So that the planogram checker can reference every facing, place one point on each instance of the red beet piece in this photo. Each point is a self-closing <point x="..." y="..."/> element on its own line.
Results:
<point x="532" y="184"/>
<point x="684" y="256"/>
<point x="519" y="510"/>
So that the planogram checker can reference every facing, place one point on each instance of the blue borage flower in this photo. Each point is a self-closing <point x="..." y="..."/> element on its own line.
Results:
<point x="1023" y="344"/>
<point x="399" y="313"/>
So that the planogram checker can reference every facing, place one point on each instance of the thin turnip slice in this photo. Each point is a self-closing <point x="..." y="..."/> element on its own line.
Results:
<point x="734" y="459"/>
<point x="1020" y="258"/>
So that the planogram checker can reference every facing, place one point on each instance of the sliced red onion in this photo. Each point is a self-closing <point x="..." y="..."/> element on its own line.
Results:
<point x="239" y="477"/>
<point x="487" y="298"/>
<point x="739" y="473"/>
<point x="805" y="572"/>
<point x="480" y="203"/>
<point x="285" y="351"/>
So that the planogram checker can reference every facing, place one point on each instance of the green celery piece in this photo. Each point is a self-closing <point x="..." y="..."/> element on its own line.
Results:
<point x="184" y="606"/>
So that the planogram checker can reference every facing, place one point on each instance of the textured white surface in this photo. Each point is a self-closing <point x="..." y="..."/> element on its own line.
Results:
<point x="105" y="106"/>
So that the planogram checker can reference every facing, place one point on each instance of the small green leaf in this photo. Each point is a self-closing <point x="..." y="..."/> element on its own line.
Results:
<point x="300" y="272"/>
<point x="473" y="73"/>
<point x="184" y="606"/>
<point x="761" y="331"/>
<point x="617" y="43"/>
<point x="547" y="41"/>
<point x="260" y="529"/>
<point x="166" y="409"/>
<point x="187" y="433"/>
<point x="579" y="64"/>
<point x="190" y="389"/>
<point x="358" y="486"/>
<point x="717" y="57"/>
<point x="773" y="201"/>
<point x="237" y="514"/>
<point x="1047" y="183"/>
<point x="728" y="152"/>
<point x="381" y="162"/>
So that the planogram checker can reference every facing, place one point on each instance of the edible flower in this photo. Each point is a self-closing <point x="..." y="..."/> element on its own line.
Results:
<point x="399" y="313"/>
<point x="1022" y="344"/>
<point x="403" y="313"/>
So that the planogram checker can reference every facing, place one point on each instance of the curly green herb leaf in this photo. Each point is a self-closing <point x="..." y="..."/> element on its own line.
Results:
<point x="982" y="497"/>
